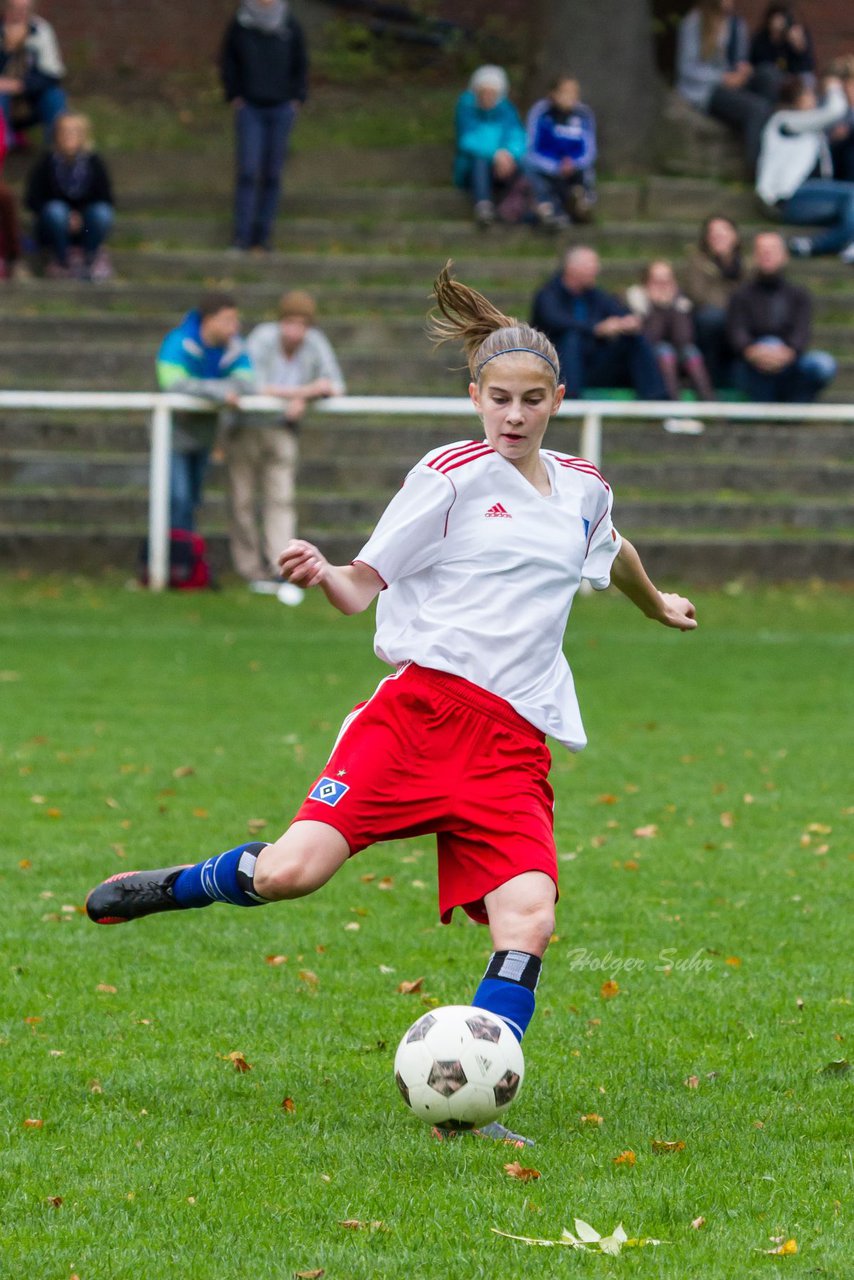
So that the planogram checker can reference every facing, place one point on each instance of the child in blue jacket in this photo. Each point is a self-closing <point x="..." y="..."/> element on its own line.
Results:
<point x="561" y="154"/>
<point x="490" y="141"/>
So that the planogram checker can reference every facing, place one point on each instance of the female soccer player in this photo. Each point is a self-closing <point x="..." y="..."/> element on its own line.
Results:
<point x="475" y="562"/>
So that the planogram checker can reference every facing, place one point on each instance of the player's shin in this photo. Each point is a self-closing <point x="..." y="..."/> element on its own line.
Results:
<point x="227" y="877"/>
<point x="508" y="988"/>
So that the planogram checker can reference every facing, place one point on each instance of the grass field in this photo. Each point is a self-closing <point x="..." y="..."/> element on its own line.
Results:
<point x="141" y="731"/>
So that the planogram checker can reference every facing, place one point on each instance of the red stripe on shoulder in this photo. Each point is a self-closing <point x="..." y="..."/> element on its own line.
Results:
<point x="455" y="452"/>
<point x="579" y="464"/>
<point x="471" y="457"/>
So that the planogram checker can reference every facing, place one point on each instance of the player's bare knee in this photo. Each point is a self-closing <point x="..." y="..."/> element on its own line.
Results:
<point x="529" y="929"/>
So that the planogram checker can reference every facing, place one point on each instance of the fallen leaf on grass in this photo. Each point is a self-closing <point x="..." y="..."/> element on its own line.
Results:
<point x="785" y="1249"/>
<point x="274" y="960"/>
<point x="387" y="882"/>
<point x="692" y="1082"/>
<point x="609" y="989"/>
<point x="726" y="820"/>
<point x="310" y="979"/>
<point x="106" y="989"/>
<point x="697" y="1223"/>
<point x="95" y="1086"/>
<point x="33" y="1124"/>
<point x="734" y="962"/>
<point x="836" y="1068"/>
<point x="309" y="1275"/>
<point x="239" y="1061"/>
<point x="646" y="833"/>
<point x="54" y="1201"/>
<point x="254" y="825"/>
<point x="183" y="771"/>
<point x="592" y="1118"/>
<point x="410" y="988"/>
<point x="516" y="1170"/>
<point x="355" y="1224"/>
<point x="588" y="1239"/>
<point x="607" y="799"/>
<point x="626" y="1157"/>
<point x="661" y="1147"/>
<point x="24" y="864"/>
<point x="200" y="813"/>
<point x="32" y="1021"/>
<point x="289" y="1105"/>
<point x="53" y="813"/>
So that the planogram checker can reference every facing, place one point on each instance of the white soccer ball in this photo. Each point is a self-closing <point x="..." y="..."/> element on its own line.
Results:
<point x="459" y="1067"/>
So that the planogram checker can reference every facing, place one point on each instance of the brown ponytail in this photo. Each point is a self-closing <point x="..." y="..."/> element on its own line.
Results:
<point x="466" y="316"/>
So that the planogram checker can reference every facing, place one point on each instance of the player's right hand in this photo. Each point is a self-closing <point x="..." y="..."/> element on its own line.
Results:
<point x="302" y="564"/>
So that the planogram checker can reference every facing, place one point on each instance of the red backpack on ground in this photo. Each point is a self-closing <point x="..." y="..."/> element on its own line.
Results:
<point x="189" y="569"/>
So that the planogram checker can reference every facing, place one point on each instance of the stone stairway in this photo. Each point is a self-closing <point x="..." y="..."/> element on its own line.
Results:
<point x="775" y="500"/>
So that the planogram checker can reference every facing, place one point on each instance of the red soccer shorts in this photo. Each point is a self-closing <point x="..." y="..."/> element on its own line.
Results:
<point x="431" y="752"/>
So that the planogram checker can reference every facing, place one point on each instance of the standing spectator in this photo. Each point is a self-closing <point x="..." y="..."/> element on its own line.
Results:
<point x="264" y="68"/>
<point x="665" y="314"/>
<point x="561" y="155"/>
<point x="294" y="362"/>
<point x="714" y="271"/>
<point x="490" y="141"/>
<point x="715" y="76"/>
<point x="768" y="323"/>
<point x="31" y="69"/>
<point x="795" y="167"/>
<point x="599" y="343"/>
<point x="203" y="357"/>
<point x="10" y="227"/>
<point x="784" y="43"/>
<point x="842" y="134"/>
<point x="70" y="193"/>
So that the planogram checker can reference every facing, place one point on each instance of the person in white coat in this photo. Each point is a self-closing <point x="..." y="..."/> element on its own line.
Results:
<point x="794" y="175"/>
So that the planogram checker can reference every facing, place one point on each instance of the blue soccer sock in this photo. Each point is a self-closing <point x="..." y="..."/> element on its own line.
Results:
<point x="224" y="878"/>
<point x="507" y="988"/>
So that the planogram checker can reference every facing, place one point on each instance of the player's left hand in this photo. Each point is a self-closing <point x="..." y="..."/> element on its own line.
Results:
<point x="677" y="612"/>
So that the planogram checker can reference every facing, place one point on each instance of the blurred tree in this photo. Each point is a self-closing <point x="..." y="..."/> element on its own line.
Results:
<point x="609" y="45"/>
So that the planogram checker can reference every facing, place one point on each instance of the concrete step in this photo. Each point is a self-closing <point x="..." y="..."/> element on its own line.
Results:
<point x="701" y="560"/>
<point x="394" y="334"/>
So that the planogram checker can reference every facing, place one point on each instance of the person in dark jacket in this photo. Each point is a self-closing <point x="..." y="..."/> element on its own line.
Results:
<point x="768" y="327"/>
<point x="599" y="342"/>
<point x="31" y="69"/>
<point x="264" y="68"/>
<point x="784" y="43"/>
<point x="70" y="192"/>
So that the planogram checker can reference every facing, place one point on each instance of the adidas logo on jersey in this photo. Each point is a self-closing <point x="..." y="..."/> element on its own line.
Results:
<point x="498" y="510"/>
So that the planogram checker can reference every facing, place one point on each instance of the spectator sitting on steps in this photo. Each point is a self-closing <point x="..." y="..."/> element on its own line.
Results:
<point x="70" y="193"/>
<point x="31" y="70"/>
<point x="10" y="227"/>
<point x="768" y="324"/>
<point x="599" y="343"/>
<point x="714" y="271"/>
<point x="294" y="362"/>
<point x="490" y="142"/>
<point x="561" y="155"/>
<point x="794" y="177"/>
<point x="783" y="42"/>
<point x="842" y="134"/>
<point x="203" y="357"/>
<point x="714" y="74"/>
<point x="665" y="314"/>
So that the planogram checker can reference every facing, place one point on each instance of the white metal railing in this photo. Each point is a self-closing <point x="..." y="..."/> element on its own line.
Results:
<point x="592" y="414"/>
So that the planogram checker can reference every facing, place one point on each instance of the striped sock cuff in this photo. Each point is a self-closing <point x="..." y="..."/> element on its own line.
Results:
<point x="515" y="966"/>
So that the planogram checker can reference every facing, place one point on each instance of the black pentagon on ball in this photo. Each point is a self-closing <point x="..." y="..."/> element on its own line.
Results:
<point x="506" y="1089"/>
<point x="447" y="1077"/>
<point x="484" y="1028"/>
<point x="402" y="1087"/>
<point x="420" y="1029"/>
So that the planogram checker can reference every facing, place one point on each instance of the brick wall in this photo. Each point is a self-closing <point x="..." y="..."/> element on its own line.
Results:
<point x="123" y="36"/>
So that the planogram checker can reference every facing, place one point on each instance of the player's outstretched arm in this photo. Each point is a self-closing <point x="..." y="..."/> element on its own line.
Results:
<point x="349" y="587"/>
<point x="630" y="577"/>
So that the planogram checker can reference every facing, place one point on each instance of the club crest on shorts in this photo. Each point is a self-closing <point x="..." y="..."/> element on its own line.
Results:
<point x="328" y="791"/>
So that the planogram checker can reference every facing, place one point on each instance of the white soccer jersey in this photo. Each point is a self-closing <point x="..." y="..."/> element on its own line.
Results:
<point x="481" y="570"/>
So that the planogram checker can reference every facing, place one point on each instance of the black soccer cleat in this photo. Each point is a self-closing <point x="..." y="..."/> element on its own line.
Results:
<point x="133" y="894"/>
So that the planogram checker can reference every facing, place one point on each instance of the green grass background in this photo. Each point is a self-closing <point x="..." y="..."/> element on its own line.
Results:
<point x="174" y="1165"/>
